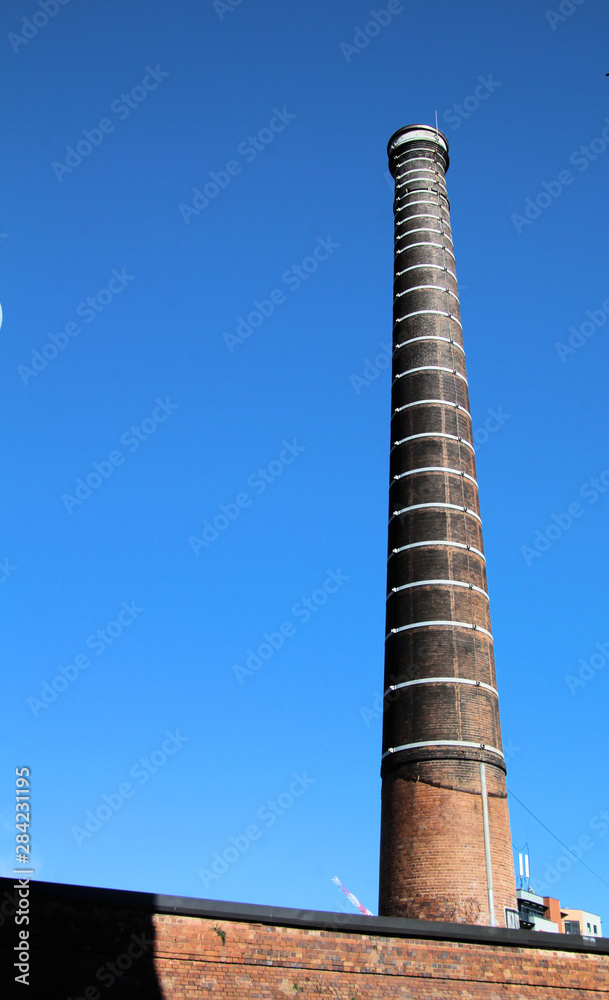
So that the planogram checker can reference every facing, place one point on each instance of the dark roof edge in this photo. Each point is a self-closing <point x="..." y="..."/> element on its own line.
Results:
<point x="353" y="923"/>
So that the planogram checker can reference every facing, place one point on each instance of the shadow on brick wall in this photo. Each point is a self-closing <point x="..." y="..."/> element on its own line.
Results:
<point x="79" y="948"/>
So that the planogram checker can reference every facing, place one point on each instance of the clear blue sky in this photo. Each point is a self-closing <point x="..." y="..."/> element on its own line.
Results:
<point x="123" y="291"/>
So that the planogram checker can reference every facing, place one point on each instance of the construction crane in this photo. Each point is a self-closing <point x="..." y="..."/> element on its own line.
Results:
<point x="352" y="899"/>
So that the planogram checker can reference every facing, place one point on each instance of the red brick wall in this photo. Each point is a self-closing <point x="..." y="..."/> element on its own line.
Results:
<point x="101" y="944"/>
<point x="269" y="962"/>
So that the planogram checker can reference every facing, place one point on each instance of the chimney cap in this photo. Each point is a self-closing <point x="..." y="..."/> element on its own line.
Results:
<point x="412" y="133"/>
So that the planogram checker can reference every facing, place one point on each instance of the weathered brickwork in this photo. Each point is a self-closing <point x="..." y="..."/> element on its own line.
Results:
<point x="187" y="949"/>
<point x="269" y="962"/>
<point x="441" y="727"/>
<point x="441" y="804"/>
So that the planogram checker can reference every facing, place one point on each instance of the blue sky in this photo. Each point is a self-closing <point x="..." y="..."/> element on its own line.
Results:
<point x="183" y="497"/>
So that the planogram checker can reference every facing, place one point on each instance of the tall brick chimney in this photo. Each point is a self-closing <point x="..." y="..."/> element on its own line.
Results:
<point x="446" y="849"/>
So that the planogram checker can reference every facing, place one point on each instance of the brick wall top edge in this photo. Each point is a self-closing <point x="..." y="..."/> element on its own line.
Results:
<point x="120" y="899"/>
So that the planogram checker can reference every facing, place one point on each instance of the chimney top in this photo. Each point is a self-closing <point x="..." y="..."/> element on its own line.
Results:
<point x="414" y="133"/>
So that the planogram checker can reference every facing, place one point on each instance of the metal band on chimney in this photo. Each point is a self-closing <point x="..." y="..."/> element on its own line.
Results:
<point x="427" y="506"/>
<point x="439" y="680"/>
<point x="450" y="624"/>
<point x="437" y="583"/>
<point x="454" y="545"/>
<point x="435" y="468"/>
<point x="433" y="434"/>
<point x="436" y="402"/>
<point x="445" y="743"/>
<point x="444" y="340"/>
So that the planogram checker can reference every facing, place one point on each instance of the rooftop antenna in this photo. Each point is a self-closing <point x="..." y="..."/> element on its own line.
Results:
<point x="523" y="869"/>
<point x="352" y="898"/>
